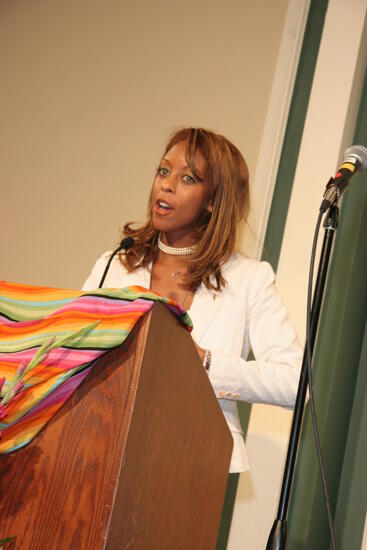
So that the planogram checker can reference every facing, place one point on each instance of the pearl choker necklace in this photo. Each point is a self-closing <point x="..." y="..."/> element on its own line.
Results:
<point x="176" y="251"/>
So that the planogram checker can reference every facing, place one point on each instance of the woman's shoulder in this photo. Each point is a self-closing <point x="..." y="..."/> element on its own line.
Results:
<point x="243" y="266"/>
<point x="103" y="258"/>
<point x="115" y="271"/>
<point x="248" y="277"/>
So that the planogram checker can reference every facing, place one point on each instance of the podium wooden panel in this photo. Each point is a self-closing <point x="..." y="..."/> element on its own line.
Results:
<point x="137" y="459"/>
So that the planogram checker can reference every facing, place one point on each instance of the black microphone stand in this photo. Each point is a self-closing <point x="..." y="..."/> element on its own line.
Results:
<point x="278" y="535"/>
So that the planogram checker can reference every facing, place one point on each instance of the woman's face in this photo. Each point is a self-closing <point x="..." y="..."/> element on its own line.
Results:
<point x="179" y="198"/>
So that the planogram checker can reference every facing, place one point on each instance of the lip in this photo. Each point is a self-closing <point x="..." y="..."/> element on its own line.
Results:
<point x="161" y="210"/>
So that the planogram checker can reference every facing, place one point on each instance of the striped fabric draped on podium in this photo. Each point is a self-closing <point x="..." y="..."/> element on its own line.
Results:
<point x="49" y="341"/>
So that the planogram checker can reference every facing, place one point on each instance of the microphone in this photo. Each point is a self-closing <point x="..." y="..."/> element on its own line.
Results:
<point x="125" y="244"/>
<point x="355" y="160"/>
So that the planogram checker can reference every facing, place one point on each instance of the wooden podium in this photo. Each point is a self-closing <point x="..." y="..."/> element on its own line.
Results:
<point x="138" y="458"/>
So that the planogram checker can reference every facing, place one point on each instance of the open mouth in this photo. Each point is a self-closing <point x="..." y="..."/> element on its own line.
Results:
<point x="163" y="205"/>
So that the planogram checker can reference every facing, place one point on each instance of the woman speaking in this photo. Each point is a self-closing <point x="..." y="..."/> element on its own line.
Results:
<point x="186" y="251"/>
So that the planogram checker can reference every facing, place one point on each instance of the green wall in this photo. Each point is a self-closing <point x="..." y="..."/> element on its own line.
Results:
<point x="340" y="387"/>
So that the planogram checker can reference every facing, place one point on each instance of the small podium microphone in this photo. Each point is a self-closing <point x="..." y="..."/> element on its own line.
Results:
<point x="125" y="244"/>
<point x="355" y="160"/>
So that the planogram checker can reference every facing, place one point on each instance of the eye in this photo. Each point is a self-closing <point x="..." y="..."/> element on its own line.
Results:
<point x="162" y="171"/>
<point x="189" y="179"/>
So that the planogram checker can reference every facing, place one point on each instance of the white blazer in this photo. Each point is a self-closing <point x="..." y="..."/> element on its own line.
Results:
<point x="247" y="314"/>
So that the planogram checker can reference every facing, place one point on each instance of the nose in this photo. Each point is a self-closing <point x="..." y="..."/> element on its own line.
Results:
<point x="169" y="184"/>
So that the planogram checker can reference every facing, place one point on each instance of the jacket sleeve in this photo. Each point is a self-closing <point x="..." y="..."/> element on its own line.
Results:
<point x="272" y="377"/>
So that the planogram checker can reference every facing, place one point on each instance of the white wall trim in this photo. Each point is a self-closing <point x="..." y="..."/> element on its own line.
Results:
<point x="276" y="120"/>
<point x="364" y="540"/>
<point x="328" y="129"/>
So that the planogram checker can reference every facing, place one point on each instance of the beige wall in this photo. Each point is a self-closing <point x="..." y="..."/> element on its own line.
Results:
<point x="89" y="92"/>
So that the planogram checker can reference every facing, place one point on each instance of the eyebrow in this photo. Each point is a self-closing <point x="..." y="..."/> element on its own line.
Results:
<point x="184" y="167"/>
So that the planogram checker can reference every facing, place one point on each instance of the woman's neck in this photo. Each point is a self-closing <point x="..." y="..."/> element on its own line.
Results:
<point x="177" y="239"/>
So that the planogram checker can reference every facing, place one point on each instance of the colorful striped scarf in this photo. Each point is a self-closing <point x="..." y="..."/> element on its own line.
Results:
<point x="29" y="317"/>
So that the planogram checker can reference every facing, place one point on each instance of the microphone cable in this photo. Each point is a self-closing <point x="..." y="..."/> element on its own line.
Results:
<point x="310" y="382"/>
<point x="125" y="244"/>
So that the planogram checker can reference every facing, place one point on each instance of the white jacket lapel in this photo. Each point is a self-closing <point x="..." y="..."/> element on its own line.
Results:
<point x="205" y="307"/>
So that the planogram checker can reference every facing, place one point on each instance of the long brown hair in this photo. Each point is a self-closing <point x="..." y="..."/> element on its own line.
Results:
<point x="229" y="194"/>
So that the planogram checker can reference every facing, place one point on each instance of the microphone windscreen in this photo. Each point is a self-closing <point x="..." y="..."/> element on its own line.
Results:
<point x="359" y="152"/>
<point x="127" y="243"/>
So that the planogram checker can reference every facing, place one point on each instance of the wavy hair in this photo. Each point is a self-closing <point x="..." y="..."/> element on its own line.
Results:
<point x="229" y="194"/>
